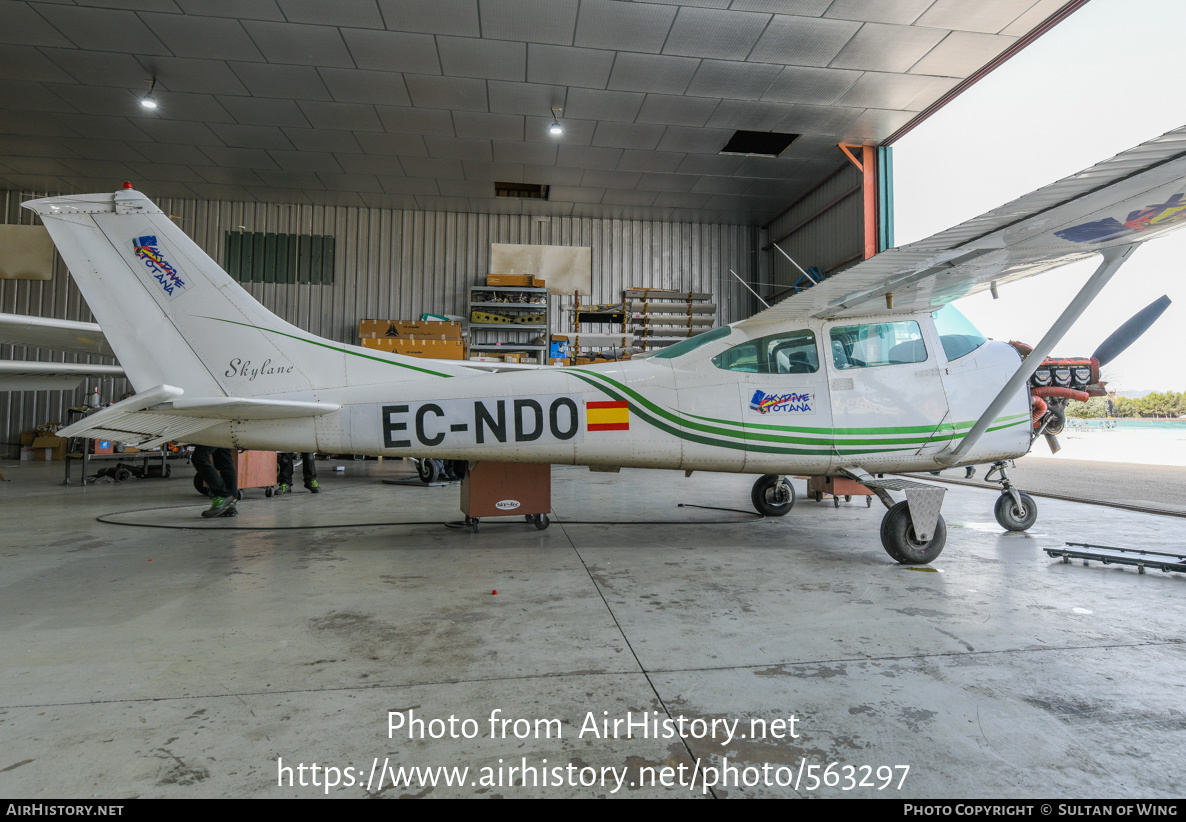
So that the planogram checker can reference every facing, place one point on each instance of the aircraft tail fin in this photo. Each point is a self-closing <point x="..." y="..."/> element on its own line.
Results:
<point x="174" y="317"/>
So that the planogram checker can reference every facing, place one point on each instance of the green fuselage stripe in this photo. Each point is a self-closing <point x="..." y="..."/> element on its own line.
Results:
<point x="680" y="426"/>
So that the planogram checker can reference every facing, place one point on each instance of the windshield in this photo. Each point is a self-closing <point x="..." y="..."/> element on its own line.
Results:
<point x="957" y="334"/>
<point x="691" y="344"/>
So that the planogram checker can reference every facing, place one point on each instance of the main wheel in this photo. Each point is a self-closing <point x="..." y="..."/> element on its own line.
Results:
<point x="429" y="471"/>
<point x="773" y="496"/>
<point x="899" y="541"/>
<point x="1012" y="518"/>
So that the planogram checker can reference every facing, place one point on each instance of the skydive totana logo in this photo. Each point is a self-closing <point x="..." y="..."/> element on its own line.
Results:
<point x="1143" y="219"/>
<point x="765" y="403"/>
<point x="168" y="277"/>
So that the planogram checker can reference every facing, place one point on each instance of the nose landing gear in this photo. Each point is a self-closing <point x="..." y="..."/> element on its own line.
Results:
<point x="1015" y="510"/>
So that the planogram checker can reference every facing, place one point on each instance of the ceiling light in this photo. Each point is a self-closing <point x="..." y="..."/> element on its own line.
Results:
<point x="556" y="129"/>
<point x="148" y="101"/>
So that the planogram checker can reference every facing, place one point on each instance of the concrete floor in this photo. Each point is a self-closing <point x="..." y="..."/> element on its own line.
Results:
<point x="171" y="662"/>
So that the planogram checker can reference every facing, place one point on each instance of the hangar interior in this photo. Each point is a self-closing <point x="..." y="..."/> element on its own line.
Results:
<point x="149" y="653"/>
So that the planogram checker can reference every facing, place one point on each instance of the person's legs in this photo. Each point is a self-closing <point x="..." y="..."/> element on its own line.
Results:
<point x="284" y="471"/>
<point x="309" y="470"/>
<point x="207" y="464"/>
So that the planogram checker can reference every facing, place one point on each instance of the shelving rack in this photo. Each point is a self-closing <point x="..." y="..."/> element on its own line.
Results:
<point x="660" y="317"/>
<point x="499" y="337"/>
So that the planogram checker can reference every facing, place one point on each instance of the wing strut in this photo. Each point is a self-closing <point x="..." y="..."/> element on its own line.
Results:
<point x="1113" y="259"/>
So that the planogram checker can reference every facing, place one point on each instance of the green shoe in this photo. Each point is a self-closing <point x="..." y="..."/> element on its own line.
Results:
<point x="283" y="488"/>
<point x="218" y="506"/>
<point x="312" y="486"/>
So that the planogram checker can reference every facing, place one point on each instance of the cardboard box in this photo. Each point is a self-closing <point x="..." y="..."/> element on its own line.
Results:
<point x="402" y="329"/>
<point x="557" y="362"/>
<point x="431" y="349"/>
<point x="49" y="448"/>
<point x="27" y="438"/>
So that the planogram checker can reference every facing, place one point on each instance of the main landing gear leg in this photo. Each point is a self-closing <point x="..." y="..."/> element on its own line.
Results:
<point x="913" y="531"/>
<point x="1015" y="510"/>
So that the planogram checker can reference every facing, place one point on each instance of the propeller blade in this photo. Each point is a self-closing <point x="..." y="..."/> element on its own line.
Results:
<point x="1127" y="334"/>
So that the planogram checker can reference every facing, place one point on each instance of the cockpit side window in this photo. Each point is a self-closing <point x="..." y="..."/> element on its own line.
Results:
<point x="864" y="346"/>
<point x="794" y="352"/>
<point x="689" y="345"/>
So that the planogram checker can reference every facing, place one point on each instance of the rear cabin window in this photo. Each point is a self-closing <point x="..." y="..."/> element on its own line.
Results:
<point x="790" y="353"/>
<point x="864" y="346"/>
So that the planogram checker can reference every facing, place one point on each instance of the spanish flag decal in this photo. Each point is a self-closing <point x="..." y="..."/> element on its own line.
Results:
<point x="607" y="416"/>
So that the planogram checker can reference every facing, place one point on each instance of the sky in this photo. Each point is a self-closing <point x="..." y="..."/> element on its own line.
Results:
<point x="1102" y="81"/>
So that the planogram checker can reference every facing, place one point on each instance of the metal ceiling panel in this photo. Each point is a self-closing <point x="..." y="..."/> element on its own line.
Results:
<point x="195" y="75"/>
<point x="20" y="23"/>
<point x="28" y="64"/>
<point x="652" y="73"/>
<point x="524" y="98"/>
<point x="211" y="38"/>
<point x="411" y="145"/>
<point x="459" y="148"/>
<point x="576" y="132"/>
<point x="408" y="120"/>
<point x="1034" y="17"/>
<point x="706" y="164"/>
<point x="626" y="27"/>
<point x="902" y="12"/>
<point x="610" y="179"/>
<point x="748" y="115"/>
<point x="491" y="126"/>
<point x="668" y="182"/>
<point x="457" y="17"/>
<point x="388" y="51"/>
<point x="488" y="59"/>
<point x="317" y="139"/>
<point x="989" y="18"/>
<point x="101" y="29"/>
<point x="380" y="87"/>
<point x="261" y="111"/>
<point x="300" y="44"/>
<point x="961" y="53"/>
<point x="798" y="41"/>
<point x="732" y="81"/>
<point x="286" y="82"/>
<point x="235" y="9"/>
<point x="879" y="89"/>
<point x="683" y="111"/>
<point x="591" y="104"/>
<point x="532" y="153"/>
<point x="548" y="21"/>
<point x="239" y="157"/>
<point x="804" y="8"/>
<point x="101" y="68"/>
<point x="881" y="47"/>
<point x="664" y="161"/>
<point x="355" y="116"/>
<point x="552" y="175"/>
<point x="627" y="135"/>
<point x="714" y="33"/>
<point x="700" y="140"/>
<point x="589" y="157"/>
<point x="817" y="86"/>
<point x="454" y="93"/>
<point x="362" y="14"/>
<point x="564" y="65"/>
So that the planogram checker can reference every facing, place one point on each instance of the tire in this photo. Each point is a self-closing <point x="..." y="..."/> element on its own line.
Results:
<point x="541" y="521"/>
<point x="897" y="537"/>
<point x="429" y="471"/>
<point x="773" y="496"/>
<point x="1010" y="518"/>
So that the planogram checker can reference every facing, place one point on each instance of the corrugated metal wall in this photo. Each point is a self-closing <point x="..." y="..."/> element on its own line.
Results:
<point x="824" y="230"/>
<point x="394" y="264"/>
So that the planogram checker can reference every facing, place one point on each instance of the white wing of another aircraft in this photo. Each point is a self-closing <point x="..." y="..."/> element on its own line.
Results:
<point x="1137" y="195"/>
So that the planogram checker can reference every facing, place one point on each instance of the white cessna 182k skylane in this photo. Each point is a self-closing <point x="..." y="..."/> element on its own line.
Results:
<point x="863" y="374"/>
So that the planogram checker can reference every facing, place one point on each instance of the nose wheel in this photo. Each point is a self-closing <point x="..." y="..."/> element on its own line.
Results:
<point x="1015" y="510"/>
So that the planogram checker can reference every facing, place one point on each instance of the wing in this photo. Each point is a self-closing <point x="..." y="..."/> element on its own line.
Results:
<point x="62" y="335"/>
<point x="1137" y="195"/>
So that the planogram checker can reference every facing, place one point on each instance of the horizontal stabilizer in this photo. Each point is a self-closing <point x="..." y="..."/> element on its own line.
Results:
<point x="238" y="408"/>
